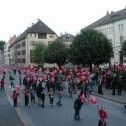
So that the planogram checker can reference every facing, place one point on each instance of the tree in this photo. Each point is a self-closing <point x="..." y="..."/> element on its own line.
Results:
<point x="2" y="43"/>
<point x="37" y="54"/>
<point x="55" y="53"/>
<point x="91" y="47"/>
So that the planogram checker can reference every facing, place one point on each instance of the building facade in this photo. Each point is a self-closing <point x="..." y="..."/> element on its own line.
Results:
<point x="113" y="25"/>
<point x="7" y="51"/>
<point x="21" y="49"/>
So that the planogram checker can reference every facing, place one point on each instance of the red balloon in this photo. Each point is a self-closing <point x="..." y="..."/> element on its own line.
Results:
<point x="82" y="98"/>
<point x="93" y="100"/>
<point x="84" y="74"/>
<point x="78" y="74"/>
<point x="83" y="78"/>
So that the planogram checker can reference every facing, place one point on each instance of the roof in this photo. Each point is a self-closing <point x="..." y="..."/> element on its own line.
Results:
<point x="109" y="18"/>
<point x="39" y="27"/>
<point x="66" y="37"/>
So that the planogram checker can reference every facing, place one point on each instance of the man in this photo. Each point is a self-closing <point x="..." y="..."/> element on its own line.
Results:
<point x="77" y="107"/>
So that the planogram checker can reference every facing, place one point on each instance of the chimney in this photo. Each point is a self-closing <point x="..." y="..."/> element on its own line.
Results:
<point x="32" y="24"/>
<point x="107" y="13"/>
<point x="38" y="20"/>
<point x="112" y="12"/>
<point x="61" y="34"/>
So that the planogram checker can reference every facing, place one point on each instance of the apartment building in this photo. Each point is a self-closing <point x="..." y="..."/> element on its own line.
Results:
<point x="24" y="44"/>
<point x="113" y="25"/>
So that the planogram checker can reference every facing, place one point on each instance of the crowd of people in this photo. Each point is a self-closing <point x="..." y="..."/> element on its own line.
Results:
<point x="61" y="82"/>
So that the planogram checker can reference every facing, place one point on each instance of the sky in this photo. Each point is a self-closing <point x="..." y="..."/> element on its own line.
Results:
<point x="60" y="15"/>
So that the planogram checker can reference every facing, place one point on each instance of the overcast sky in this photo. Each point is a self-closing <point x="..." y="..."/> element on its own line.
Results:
<point x="60" y="15"/>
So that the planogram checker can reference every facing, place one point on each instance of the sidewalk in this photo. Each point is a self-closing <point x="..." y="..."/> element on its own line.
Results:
<point x="8" y="115"/>
<point x="108" y="95"/>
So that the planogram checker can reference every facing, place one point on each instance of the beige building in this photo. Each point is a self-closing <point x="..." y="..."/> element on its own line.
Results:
<point x="24" y="44"/>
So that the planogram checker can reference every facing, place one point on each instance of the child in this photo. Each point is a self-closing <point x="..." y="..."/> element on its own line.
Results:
<point x="103" y="115"/>
<point x="51" y="97"/>
<point x="32" y="92"/>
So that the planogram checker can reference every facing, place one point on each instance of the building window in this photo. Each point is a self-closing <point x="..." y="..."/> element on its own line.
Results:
<point x="23" y="60"/>
<point x="120" y="27"/>
<point x="19" y="60"/>
<point x="32" y="43"/>
<point x="23" y="44"/>
<point x="121" y="39"/>
<point x="30" y="34"/>
<point x="18" y="46"/>
<point x="51" y="36"/>
<point x="35" y="35"/>
<point x="19" y="52"/>
<point x="42" y="36"/>
<point x="23" y="52"/>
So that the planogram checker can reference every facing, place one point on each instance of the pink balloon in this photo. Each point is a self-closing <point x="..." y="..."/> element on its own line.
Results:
<point x="82" y="97"/>
<point x="78" y="74"/>
<point x="93" y="100"/>
<point x="83" y="78"/>
<point x="84" y="74"/>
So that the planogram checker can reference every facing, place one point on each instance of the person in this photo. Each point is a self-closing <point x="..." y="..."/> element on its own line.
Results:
<point x="15" y="98"/>
<point x="2" y="84"/>
<point x="12" y="81"/>
<point x="26" y="97"/>
<point x="32" y="93"/>
<point x="100" y="91"/>
<point x="77" y="107"/>
<point x="103" y="115"/>
<point x="43" y="98"/>
<point x="59" y="94"/>
<point x="51" y="97"/>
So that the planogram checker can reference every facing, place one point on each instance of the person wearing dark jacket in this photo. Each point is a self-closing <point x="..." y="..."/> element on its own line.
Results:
<point x="26" y="97"/>
<point x="43" y="98"/>
<point x="77" y="107"/>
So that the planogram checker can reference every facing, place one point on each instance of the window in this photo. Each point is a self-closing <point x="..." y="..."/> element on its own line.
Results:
<point x="31" y="56"/>
<point x="121" y="39"/>
<point x="23" y="60"/>
<point x="18" y="46"/>
<point x="23" y="52"/>
<point x="42" y="35"/>
<point x="32" y="43"/>
<point x="23" y="44"/>
<point x="30" y="34"/>
<point x="51" y="36"/>
<point x="35" y="35"/>
<point x="19" y="60"/>
<point x="19" y="53"/>
<point x="120" y="27"/>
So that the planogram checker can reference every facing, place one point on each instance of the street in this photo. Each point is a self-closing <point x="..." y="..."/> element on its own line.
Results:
<point x="63" y="116"/>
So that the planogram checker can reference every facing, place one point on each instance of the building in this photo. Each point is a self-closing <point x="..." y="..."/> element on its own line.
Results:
<point x="113" y="25"/>
<point x="1" y="59"/>
<point x="7" y="56"/>
<point x="21" y="49"/>
<point x="66" y="38"/>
